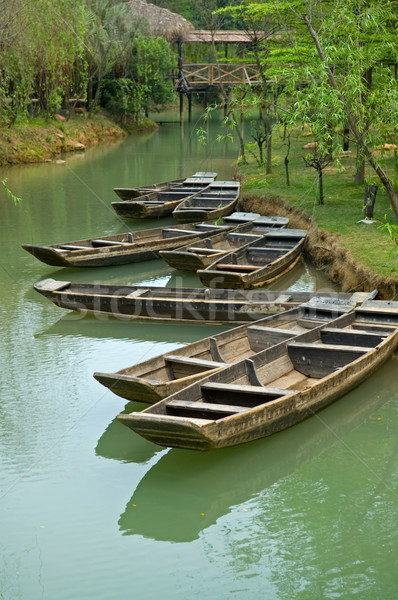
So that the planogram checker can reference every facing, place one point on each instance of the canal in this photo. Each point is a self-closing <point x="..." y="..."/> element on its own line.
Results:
<point x="90" y="510"/>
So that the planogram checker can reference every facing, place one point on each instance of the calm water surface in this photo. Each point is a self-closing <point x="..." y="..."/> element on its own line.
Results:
<point x="89" y="510"/>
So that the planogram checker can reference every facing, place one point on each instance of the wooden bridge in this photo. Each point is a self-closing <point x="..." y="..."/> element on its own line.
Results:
<point x="196" y="77"/>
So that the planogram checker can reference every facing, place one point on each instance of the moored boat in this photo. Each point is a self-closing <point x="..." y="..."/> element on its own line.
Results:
<point x="257" y="263"/>
<point x="200" y="255"/>
<point x="162" y="202"/>
<point x="214" y="202"/>
<point x="277" y="387"/>
<point x="123" y="248"/>
<point x="192" y="182"/>
<point x="161" y="376"/>
<point x="177" y="304"/>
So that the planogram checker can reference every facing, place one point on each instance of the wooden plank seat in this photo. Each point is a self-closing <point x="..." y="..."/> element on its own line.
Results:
<point x="187" y="360"/>
<point x="197" y="208"/>
<point x="352" y="337"/>
<point x="170" y="232"/>
<point x="230" y="267"/>
<point x="376" y="328"/>
<point x="185" y="408"/>
<point x="320" y="360"/>
<point x="72" y="247"/>
<point x="209" y="227"/>
<point x="242" y="395"/>
<point x="264" y="249"/>
<point x="205" y="250"/>
<point x="107" y="243"/>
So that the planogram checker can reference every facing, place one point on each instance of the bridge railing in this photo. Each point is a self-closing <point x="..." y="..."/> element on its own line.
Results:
<point x="217" y="74"/>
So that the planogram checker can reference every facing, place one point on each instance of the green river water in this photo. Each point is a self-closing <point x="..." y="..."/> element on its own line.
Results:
<point x="90" y="510"/>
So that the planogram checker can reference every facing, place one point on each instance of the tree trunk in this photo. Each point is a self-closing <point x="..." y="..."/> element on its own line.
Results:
<point x="359" y="176"/>
<point x="320" y="180"/>
<point x="287" y="170"/>
<point x="370" y="199"/>
<point x="353" y="124"/>
<point x="346" y="139"/>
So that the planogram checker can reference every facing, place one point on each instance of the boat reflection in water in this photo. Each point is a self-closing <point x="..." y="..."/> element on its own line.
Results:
<point x="186" y="491"/>
<point x="117" y="443"/>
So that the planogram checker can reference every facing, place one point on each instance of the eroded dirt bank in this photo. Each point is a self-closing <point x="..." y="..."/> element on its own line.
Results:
<point x="45" y="142"/>
<point x="324" y="250"/>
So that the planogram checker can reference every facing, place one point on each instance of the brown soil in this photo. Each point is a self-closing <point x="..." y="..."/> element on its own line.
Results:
<point x="324" y="250"/>
<point x="31" y="143"/>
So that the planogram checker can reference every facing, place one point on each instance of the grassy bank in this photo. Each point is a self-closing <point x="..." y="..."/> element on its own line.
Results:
<point x="356" y="254"/>
<point x="38" y="140"/>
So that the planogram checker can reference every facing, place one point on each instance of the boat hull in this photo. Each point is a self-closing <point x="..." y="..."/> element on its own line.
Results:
<point x="263" y="420"/>
<point x="156" y="304"/>
<point x="148" y="245"/>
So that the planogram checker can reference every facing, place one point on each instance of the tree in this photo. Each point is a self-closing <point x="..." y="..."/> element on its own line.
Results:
<point x="348" y="78"/>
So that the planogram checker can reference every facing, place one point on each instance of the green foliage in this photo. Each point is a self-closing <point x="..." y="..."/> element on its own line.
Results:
<point x="15" y="199"/>
<point x="390" y="229"/>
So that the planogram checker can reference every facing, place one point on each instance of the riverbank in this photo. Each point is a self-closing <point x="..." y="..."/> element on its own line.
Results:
<point x="357" y="254"/>
<point x="38" y="140"/>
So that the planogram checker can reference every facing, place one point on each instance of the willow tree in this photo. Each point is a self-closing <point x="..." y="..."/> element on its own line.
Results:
<point x="350" y="77"/>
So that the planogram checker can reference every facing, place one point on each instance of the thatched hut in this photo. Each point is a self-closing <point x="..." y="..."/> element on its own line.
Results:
<point x="160" y="21"/>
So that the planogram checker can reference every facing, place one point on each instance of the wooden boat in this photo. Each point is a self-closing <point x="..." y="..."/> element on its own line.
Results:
<point x="122" y="248"/>
<point x="217" y="200"/>
<point x="161" y="376"/>
<point x="276" y="388"/>
<point x="179" y="304"/>
<point x="265" y="221"/>
<point x="257" y="263"/>
<point x="199" y="255"/>
<point x="161" y="202"/>
<point x="136" y="192"/>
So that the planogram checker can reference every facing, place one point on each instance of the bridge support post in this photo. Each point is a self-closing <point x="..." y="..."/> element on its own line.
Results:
<point x="189" y="106"/>
<point x="181" y="107"/>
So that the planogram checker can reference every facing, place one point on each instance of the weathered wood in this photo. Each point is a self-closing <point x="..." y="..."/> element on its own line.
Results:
<point x="72" y="247"/>
<point x="185" y="408"/>
<point x="244" y="395"/>
<point x="123" y="248"/>
<point x="230" y="267"/>
<point x="320" y="360"/>
<point x="351" y="337"/>
<point x="286" y="396"/>
<point x="217" y="200"/>
<point x="195" y="362"/>
<point x="261" y="261"/>
<point x="107" y="243"/>
<point x="263" y="337"/>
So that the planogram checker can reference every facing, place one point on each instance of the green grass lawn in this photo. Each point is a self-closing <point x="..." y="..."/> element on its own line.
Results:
<point x="343" y="200"/>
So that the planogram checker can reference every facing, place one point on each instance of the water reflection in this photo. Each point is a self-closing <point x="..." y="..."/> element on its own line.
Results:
<point x="187" y="491"/>
<point x="73" y="324"/>
<point x="117" y="442"/>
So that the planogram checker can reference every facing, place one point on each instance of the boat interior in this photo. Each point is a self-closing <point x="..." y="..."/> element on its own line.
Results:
<point x="296" y="366"/>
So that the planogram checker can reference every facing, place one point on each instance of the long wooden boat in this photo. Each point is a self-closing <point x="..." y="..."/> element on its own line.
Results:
<point x="258" y="262"/>
<point x="178" y="304"/>
<point x="161" y="202"/>
<point x="122" y="248"/>
<point x="217" y="200"/>
<point x="266" y="221"/>
<point x="161" y="376"/>
<point x="275" y="388"/>
<point x="135" y="192"/>
<point x="199" y="255"/>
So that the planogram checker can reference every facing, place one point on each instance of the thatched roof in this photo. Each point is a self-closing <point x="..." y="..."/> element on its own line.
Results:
<point x="162" y="22"/>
